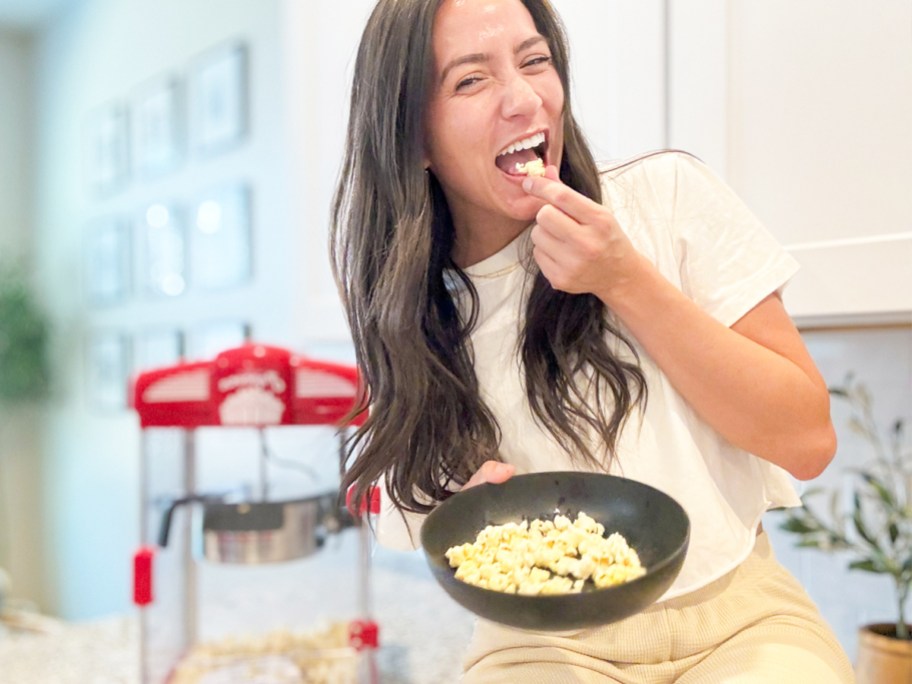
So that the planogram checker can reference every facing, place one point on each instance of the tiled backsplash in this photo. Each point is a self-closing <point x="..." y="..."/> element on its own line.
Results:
<point x="881" y="358"/>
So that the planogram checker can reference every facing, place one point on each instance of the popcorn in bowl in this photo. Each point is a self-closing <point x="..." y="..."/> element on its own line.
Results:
<point x="543" y="557"/>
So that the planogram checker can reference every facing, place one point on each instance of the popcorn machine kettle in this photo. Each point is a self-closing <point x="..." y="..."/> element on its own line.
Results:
<point x="228" y="578"/>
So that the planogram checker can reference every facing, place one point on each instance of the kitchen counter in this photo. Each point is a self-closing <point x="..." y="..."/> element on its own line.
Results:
<point x="103" y="652"/>
<point x="423" y="635"/>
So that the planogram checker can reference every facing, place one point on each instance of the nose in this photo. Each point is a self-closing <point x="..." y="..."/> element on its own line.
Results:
<point x="519" y="98"/>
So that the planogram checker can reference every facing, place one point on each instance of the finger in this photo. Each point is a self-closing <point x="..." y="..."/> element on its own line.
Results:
<point x="552" y="221"/>
<point x="557" y="271"/>
<point x="565" y="198"/>
<point x="546" y="264"/>
<point x="491" y="472"/>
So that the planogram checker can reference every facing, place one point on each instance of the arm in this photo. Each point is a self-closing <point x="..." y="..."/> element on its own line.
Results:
<point x="754" y="383"/>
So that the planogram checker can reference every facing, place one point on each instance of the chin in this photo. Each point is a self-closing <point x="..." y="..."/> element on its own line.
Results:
<point x="527" y="210"/>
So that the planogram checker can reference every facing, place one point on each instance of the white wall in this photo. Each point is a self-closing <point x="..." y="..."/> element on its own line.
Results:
<point x="617" y="61"/>
<point x="319" y="64"/>
<point x="100" y="51"/>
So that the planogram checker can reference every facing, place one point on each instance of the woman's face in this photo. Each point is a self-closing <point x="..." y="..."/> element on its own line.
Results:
<point x="495" y="90"/>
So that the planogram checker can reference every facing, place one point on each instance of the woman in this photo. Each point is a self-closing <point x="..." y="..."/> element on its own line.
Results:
<point x="626" y="321"/>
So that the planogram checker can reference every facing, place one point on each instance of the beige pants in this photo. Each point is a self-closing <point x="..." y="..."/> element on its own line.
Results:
<point x="755" y="625"/>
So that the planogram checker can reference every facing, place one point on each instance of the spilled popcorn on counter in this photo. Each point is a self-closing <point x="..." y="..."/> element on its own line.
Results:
<point x="555" y="556"/>
<point x="321" y="656"/>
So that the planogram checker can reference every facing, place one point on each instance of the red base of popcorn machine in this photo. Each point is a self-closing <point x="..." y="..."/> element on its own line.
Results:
<point x="250" y="569"/>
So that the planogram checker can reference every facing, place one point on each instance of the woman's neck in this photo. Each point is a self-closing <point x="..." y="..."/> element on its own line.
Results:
<point x="476" y="241"/>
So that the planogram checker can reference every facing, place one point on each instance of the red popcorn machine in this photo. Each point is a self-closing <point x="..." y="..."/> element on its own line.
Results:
<point x="249" y="569"/>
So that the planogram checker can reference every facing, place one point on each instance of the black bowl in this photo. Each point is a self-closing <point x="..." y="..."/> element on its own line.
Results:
<point x="653" y="523"/>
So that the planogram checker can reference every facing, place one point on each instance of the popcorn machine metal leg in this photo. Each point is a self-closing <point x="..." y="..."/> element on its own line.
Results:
<point x="191" y="621"/>
<point x="147" y="559"/>
<point x="364" y="632"/>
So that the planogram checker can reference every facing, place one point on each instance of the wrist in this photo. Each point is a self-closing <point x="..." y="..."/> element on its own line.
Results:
<point x="632" y="280"/>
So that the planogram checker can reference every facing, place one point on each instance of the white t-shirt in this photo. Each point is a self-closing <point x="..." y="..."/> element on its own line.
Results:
<point x="706" y="242"/>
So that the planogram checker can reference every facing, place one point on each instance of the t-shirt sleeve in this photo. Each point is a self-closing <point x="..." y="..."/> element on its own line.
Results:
<point x="728" y="261"/>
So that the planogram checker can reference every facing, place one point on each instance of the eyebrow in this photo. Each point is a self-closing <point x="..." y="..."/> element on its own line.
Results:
<point x="481" y="57"/>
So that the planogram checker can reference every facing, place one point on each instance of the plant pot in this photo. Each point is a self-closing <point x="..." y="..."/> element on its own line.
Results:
<point x="882" y="658"/>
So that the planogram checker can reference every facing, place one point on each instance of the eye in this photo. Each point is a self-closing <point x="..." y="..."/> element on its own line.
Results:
<point x="537" y="61"/>
<point x="467" y="82"/>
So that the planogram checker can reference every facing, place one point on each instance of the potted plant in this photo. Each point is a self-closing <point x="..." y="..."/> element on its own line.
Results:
<point x="24" y="369"/>
<point x="875" y="532"/>
<point x="23" y="341"/>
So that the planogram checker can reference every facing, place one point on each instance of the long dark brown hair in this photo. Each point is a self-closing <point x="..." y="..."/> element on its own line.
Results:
<point x="428" y="429"/>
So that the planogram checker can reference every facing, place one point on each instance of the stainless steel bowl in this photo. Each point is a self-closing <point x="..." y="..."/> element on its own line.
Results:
<point x="254" y="532"/>
<point x="261" y="532"/>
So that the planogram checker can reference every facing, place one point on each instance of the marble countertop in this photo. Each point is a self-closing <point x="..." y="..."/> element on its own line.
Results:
<point x="423" y="635"/>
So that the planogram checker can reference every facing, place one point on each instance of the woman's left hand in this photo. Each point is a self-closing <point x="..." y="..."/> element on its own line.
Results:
<point x="491" y="472"/>
<point x="578" y="244"/>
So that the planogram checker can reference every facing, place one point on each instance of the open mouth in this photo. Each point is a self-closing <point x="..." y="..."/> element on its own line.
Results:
<point x="513" y="158"/>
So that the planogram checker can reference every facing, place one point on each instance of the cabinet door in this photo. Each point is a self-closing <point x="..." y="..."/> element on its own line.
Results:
<point x="811" y="122"/>
<point x="822" y="134"/>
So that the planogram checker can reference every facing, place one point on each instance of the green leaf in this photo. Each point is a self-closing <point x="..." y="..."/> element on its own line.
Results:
<point x="907" y="565"/>
<point x="835" y="506"/>
<point x="810" y="492"/>
<point x="856" y="426"/>
<point x="881" y="488"/>
<point x="797" y="525"/>
<point x="859" y="523"/>
<point x="813" y="543"/>
<point x="866" y="565"/>
<point x="24" y="336"/>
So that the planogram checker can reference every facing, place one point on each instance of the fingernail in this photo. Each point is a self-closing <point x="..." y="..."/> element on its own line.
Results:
<point x="527" y="185"/>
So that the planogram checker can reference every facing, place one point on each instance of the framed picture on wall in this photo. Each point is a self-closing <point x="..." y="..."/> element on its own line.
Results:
<point x="106" y="149"/>
<point x="163" y="261"/>
<point x="157" y="127"/>
<point x="107" y="369"/>
<point x="219" y="99"/>
<point x="220" y="237"/>
<point x="107" y="261"/>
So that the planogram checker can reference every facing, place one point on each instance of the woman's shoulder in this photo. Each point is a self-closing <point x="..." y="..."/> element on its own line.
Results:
<point x="657" y="163"/>
<point x="674" y="179"/>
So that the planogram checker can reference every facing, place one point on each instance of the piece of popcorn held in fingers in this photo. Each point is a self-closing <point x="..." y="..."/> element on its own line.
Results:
<point x="536" y="167"/>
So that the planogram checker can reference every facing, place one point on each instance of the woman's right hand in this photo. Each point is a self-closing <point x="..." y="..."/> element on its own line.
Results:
<point x="491" y="472"/>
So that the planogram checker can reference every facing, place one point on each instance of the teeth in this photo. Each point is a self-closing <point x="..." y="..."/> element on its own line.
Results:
<point x="524" y="144"/>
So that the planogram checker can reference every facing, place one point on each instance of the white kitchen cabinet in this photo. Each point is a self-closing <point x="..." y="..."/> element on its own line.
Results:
<point x="806" y="108"/>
